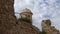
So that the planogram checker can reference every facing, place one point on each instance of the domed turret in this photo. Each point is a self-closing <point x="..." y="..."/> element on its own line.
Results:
<point x="26" y="14"/>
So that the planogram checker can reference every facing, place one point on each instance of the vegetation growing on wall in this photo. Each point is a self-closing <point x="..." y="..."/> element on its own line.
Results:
<point x="25" y="20"/>
<point x="43" y="32"/>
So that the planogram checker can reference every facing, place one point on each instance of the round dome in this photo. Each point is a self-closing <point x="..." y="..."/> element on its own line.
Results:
<point x="26" y="10"/>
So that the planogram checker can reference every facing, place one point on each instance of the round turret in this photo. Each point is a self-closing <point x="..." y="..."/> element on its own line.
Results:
<point x="26" y="14"/>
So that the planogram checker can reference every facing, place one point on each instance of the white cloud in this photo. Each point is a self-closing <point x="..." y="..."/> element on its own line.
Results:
<point x="27" y="2"/>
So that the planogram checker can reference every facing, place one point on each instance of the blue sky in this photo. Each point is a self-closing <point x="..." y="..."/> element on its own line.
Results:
<point x="41" y="9"/>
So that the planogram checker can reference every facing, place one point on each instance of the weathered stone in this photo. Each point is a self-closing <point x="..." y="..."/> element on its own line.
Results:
<point x="46" y="26"/>
<point x="7" y="17"/>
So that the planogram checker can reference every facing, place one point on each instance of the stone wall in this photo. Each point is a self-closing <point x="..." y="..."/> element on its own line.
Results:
<point x="7" y="19"/>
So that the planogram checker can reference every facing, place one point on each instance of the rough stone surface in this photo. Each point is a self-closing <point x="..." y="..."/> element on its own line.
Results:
<point x="7" y="18"/>
<point x="27" y="28"/>
<point x="9" y="23"/>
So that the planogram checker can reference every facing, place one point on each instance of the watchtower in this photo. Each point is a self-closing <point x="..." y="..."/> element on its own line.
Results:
<point x="26" y="14"/>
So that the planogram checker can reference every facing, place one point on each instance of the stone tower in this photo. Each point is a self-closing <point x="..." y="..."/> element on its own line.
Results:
<point x="26" y="14"/>
<point x="46" y="27"/>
